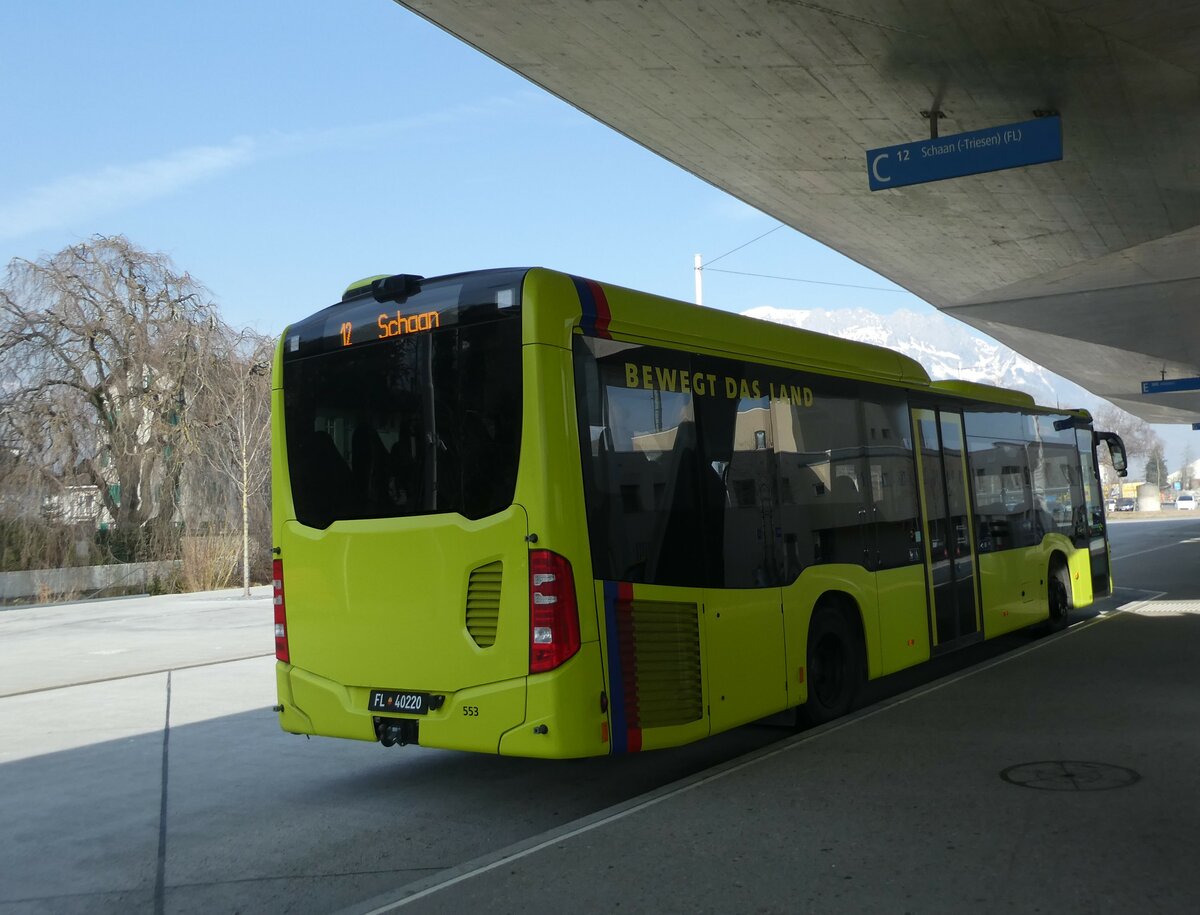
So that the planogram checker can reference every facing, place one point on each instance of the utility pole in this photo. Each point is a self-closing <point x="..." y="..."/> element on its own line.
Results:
<point x="699" y="281"/>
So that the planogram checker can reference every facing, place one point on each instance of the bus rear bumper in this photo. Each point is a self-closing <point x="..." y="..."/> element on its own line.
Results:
<point x="567" y="712"/>
<point x="291" y="719"/>
<point x="557" y="714"/>
<point x="473" y="719"/>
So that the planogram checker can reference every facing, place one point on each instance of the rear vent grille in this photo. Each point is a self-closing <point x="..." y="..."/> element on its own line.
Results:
<point x="483" y="603"/>
<point x="660" y="660"/>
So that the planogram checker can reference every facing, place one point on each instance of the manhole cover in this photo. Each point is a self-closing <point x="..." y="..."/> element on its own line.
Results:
<point x="1069" y="775"/>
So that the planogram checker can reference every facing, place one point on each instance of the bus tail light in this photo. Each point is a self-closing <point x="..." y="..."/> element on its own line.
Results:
<point x="281" y="641"/>
<point x="553" y="615"/>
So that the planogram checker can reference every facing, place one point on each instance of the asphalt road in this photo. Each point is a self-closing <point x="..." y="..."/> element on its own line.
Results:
<point x="141" y="768"/>
<point x="1155" y="552"/>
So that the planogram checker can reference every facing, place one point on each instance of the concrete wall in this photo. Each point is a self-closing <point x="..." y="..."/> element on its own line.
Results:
<point x="85" y="580"/>
<point x="1148" y="498"/>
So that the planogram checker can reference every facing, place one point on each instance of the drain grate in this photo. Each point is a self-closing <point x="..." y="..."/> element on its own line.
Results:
<point x="1069" y="775"/>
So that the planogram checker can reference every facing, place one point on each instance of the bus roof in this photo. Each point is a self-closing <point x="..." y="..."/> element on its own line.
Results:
<point x="701" y="328"/>
<point x="704" y="329"/>
<point x="977" y="391"/>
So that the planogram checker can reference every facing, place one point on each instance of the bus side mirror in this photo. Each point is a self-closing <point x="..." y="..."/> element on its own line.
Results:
<point x="1116" y="449"/>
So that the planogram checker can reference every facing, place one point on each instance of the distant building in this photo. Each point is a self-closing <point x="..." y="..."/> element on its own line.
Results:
<point x="78" y="504"/>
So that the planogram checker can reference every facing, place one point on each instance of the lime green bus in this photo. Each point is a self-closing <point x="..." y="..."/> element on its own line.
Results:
<point x="521" y="512"/>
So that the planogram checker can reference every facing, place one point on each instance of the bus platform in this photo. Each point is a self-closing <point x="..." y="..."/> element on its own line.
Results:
<point x="1063" y="776"/>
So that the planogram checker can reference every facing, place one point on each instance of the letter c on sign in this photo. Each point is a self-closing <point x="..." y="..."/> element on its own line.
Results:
<point x="883" y="179"/>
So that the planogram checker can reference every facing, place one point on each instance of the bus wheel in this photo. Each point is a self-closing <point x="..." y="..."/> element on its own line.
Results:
<point x="1058" y="597"/>
<point x="834" y="669"/>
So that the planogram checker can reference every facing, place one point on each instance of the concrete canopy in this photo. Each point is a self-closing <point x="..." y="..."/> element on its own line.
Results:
<point x="1089" y="266"/>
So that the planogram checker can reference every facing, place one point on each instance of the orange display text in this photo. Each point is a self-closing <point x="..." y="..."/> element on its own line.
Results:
<point x="410" y="324"/>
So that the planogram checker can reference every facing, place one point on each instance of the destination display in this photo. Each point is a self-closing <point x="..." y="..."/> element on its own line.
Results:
<point x="434" y="305"/>
<point x="368" y="321"/>
<point x="973" y="153"/>
<point x="389" y="325"/>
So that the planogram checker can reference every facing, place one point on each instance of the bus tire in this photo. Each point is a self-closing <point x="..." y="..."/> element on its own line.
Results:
<point x="1058" y="596"/>
<point x="834" y="671"/>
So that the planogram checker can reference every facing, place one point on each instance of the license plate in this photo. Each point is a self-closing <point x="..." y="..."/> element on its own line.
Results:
<point x="404" y="701"/>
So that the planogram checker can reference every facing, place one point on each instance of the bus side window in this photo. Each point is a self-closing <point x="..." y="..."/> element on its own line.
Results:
<point x="675" y="556"/>
<point x="892" y="479"/>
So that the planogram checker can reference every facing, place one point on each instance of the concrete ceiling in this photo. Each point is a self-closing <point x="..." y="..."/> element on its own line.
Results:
<point x="1089" y="266"/>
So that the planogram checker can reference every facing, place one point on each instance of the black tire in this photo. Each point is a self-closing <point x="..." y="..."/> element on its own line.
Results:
<point x="1058" y="595"/>
<point x="834" y="671"/>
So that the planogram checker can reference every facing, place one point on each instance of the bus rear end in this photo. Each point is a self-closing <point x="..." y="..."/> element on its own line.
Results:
<point x="413" y="605"/>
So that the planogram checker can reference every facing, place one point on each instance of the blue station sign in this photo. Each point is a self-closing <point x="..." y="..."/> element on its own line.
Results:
<point x="990" y="150"/>
<point x="1171" y="386"/>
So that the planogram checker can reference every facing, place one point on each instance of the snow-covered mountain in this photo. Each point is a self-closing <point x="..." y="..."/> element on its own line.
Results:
<point x="945" y="347"/>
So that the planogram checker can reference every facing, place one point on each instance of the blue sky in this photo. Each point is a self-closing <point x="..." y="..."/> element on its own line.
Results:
<point x="278" y="151"/>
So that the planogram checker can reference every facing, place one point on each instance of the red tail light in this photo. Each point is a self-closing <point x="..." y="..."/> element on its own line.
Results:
<point x="281" y="641"/>
<point x="553" y="615"/>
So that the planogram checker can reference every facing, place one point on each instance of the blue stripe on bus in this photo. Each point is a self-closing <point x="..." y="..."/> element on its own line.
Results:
<point x="618" y="730"/>
<point x="593" y="303"/>
<point x="588" y="302"/>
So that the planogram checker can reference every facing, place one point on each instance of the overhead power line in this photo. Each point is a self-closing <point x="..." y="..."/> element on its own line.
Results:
<point x="739" y="247"/>
<point x="796" y="279"/>
<point x="701" y="267"/>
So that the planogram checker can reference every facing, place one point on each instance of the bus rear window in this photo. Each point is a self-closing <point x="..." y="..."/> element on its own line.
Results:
<point x="415" y="424"/>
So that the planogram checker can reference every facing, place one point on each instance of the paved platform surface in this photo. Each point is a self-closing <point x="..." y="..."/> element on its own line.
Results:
<point x="1063" y="777"/>
<point x="142" y="769"/>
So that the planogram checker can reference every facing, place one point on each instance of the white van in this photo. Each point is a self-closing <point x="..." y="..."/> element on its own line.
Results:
<point x="1185" y="502"/>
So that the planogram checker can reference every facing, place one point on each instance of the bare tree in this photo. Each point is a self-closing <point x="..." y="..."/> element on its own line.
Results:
<point x="1140" y="440"/>
<point x="1187" y="469"/>
<point x="1156" y="468"/>
<point x="233" y="439"/>
<point x="102" y="343"/>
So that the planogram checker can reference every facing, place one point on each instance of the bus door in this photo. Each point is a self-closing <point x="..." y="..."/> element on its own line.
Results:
<point x="742" y="549"/>
<point x="949" y="527"/>
<point x="1093" y="489"/>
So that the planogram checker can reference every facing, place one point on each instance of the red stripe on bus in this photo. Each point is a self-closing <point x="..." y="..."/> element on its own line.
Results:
<point x="603" y="318"/>
<point x="628" y="648"/>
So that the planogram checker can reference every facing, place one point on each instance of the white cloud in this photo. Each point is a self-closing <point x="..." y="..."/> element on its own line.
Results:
<point x="73" y="198"/>
<point x="118" y="186"/>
